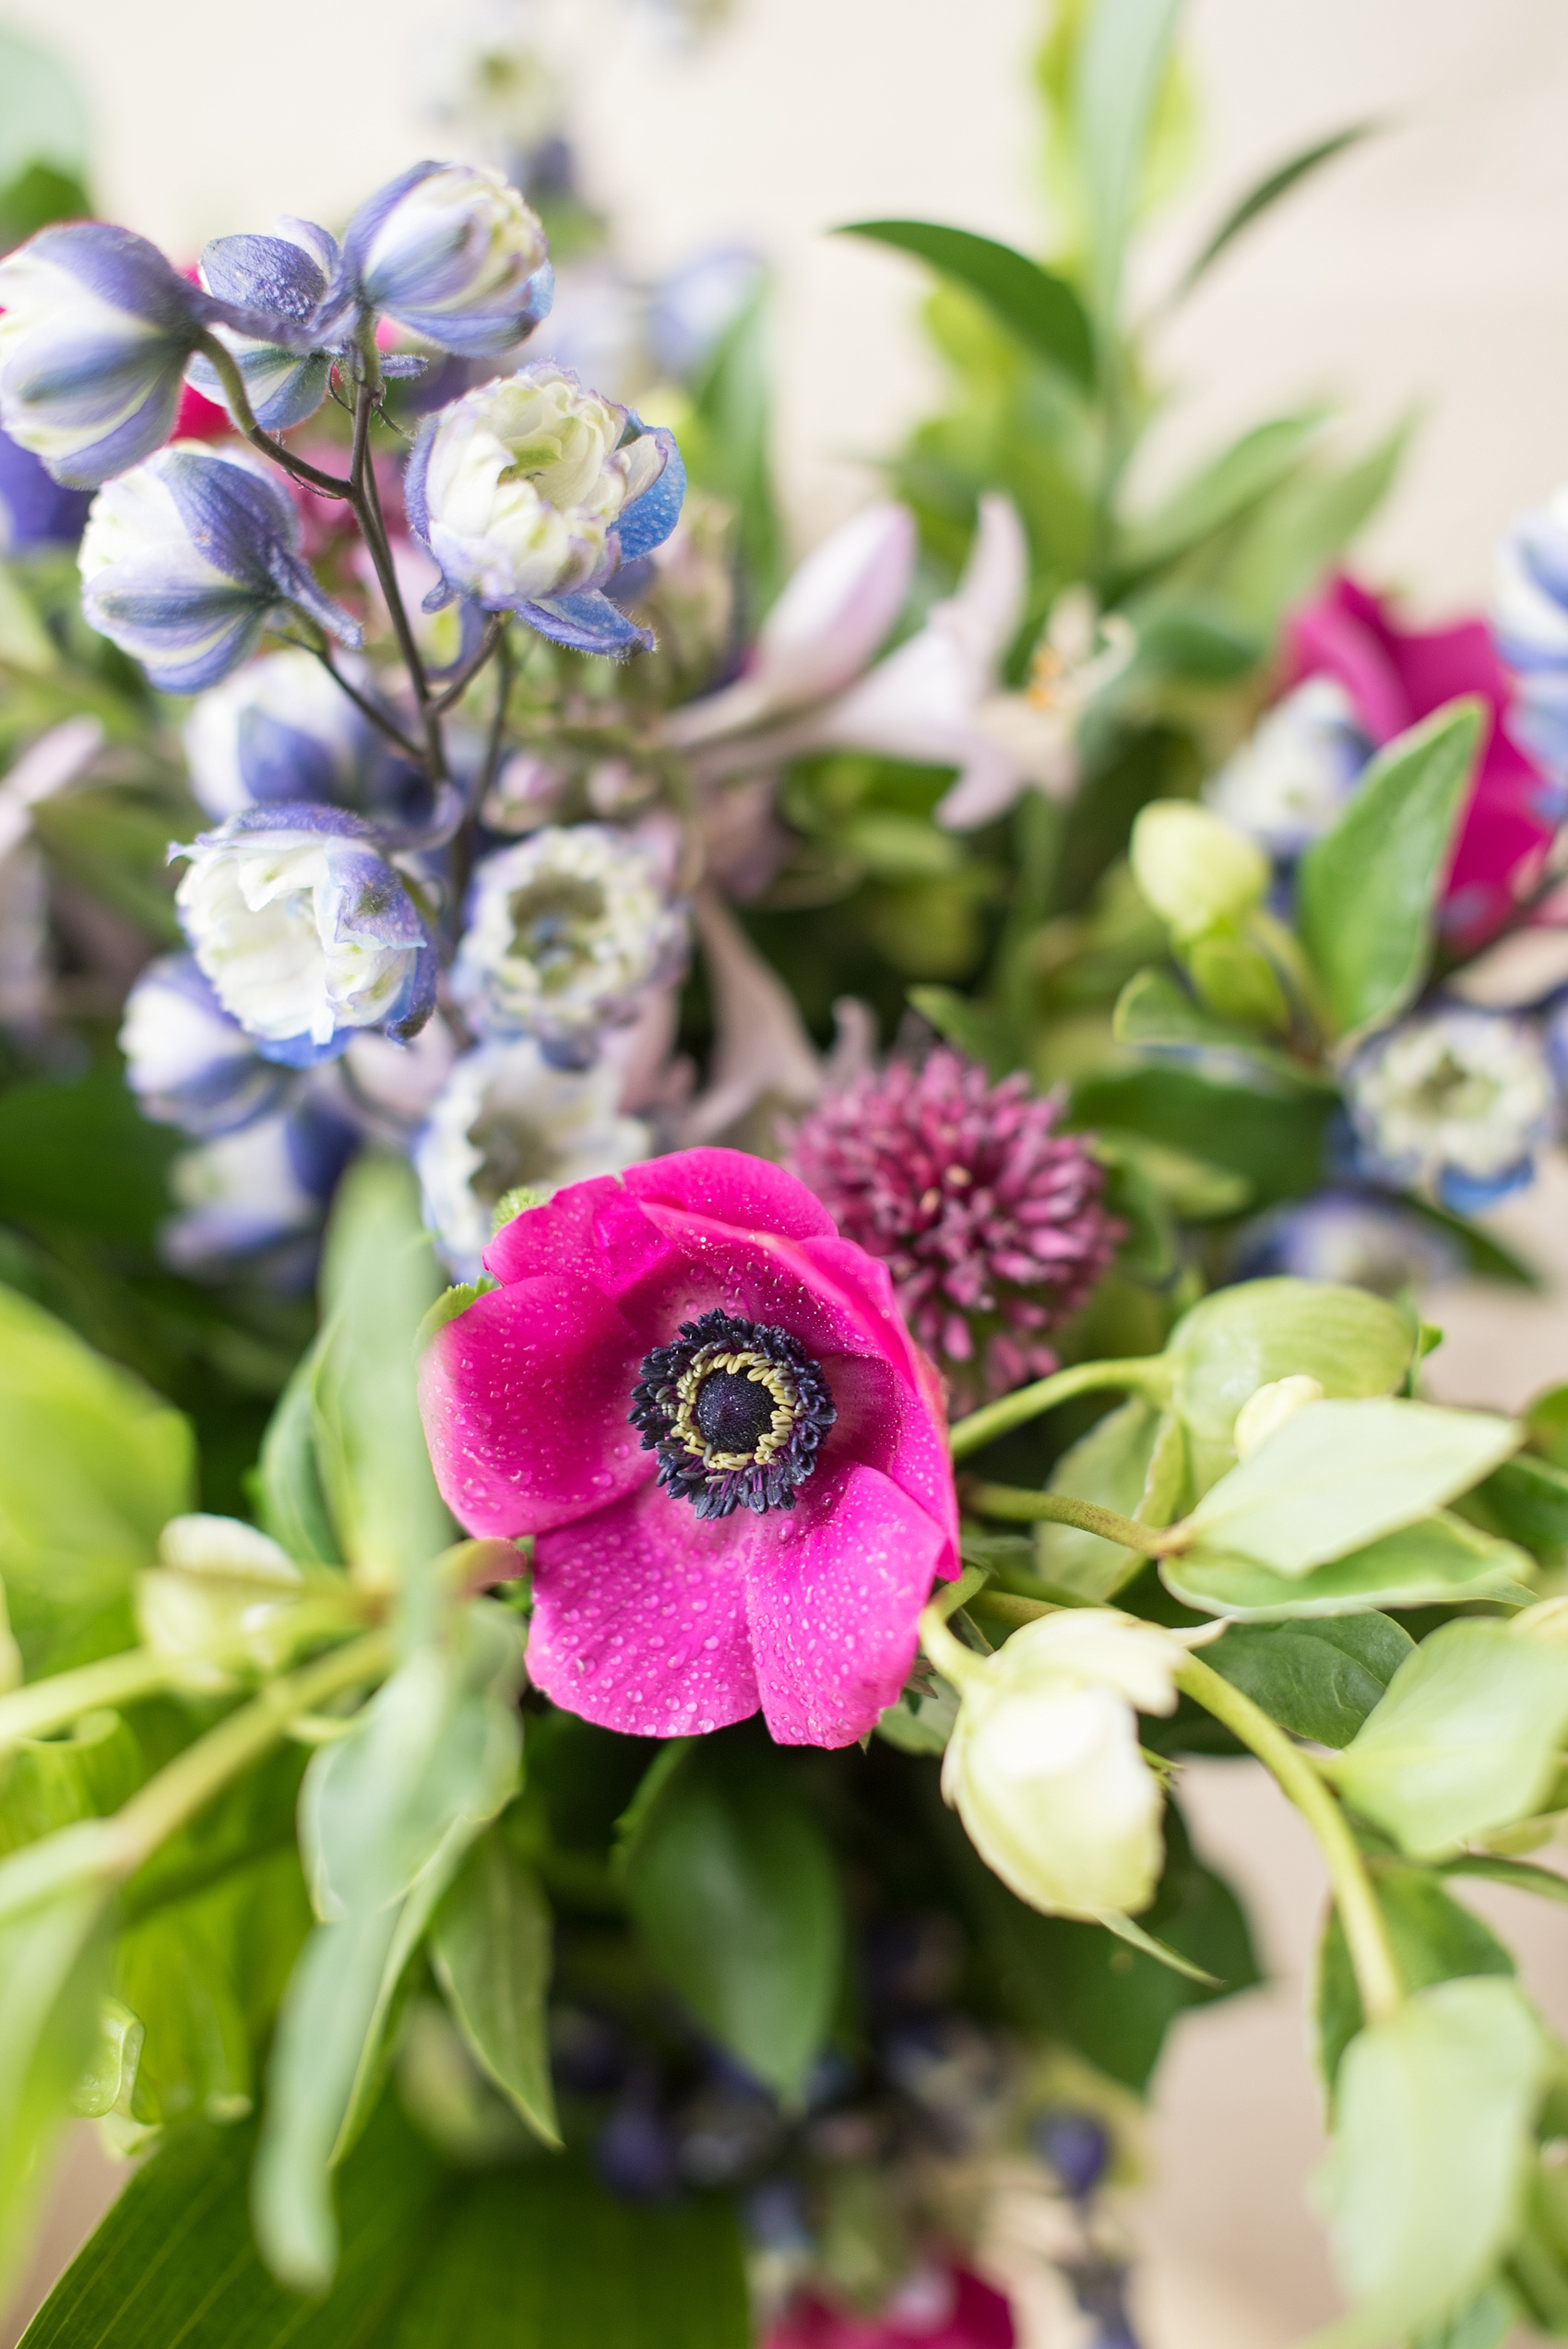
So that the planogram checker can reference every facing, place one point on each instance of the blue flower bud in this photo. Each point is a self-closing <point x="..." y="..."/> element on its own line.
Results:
<point x="288" y="276"/>
<point x="259" y="1195"/>
<point x="187" y="1062"/>
<point x="530" y="492"/>
<point x="187" y="557"/>
<point x="306" y="933"/>
<point x="282" y="728"/>
<point x="93" y="343"/>
<point x="1077" y="2146"/>
<point x="454" y="253"/>
<point x="35" y="509"/>
<point x="637" y="2156"/>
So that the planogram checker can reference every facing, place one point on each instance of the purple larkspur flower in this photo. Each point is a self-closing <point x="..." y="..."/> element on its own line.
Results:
<point x="991" y="1223"/>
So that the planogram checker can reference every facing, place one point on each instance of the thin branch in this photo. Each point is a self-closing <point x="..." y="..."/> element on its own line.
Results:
<point x="226" y="368"/>
<point x="366" y="501"/>
<point x="1021" y="1507"/>
<point x="1145" y="1374"/>
<point x="373" y="710"/>
<point x="459" y="685"/>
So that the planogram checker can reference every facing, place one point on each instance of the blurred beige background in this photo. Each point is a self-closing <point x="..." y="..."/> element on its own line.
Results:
<point x="1429" y="270"/>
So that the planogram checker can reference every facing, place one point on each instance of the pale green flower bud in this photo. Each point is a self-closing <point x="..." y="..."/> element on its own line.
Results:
<point x="1268" y="1408"/>
<point x="221" y="1589"/>
<point x="1194" y="871"/>
<point x="1044" y="1767"/>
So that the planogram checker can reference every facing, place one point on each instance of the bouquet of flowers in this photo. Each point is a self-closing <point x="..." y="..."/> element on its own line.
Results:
<point x="736" y="1251"/>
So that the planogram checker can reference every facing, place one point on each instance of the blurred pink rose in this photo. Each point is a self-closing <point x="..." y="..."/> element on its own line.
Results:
<point x="938" y="2309"/>
<point x="1395" y="676"/>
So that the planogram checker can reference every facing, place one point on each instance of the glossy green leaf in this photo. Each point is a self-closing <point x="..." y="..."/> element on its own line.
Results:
<point x="1274" y="1140"/>
<point x="92" y="1466"/>
<point x="291" y="1502"/>
<point x="1465" y="1742"/>
<point x="491" y="1946"/>
<point x="1526" y="1500"/>
<point x="543" y="2257"/>
<point x="1035" y="304"/>
<point x="1318" y="1679"/>
<point x="386" y="1815"/>
<point x="730" y="453"/>
<point x="1434" y="1937"/>
<point x="1423" y="2183"/>
<point x="735" y="1893"/>
<point x="50" y="1976"/>
<point x="1339" y="1474"/>
<point x="1282" y="551"/>
<point x="47" y="1782"/>
<point x="1266" y="193"/>
<point x="1440" y="1562"/>
<point x="1120" y="63"/>
<point x="1367" y="890"/>
<point x="1133" y="1461"/>
<point x="1241" y="1339"/>
<point x="379" y="1278"/>
<point x="174" y="2261"/>
<point x="1224" y="488"/>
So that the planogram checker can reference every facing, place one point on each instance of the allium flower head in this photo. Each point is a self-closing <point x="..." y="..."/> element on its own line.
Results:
<point x="772" y="1540"/>
<point x="567" y="931"/>
<point x="989" y="1221"/>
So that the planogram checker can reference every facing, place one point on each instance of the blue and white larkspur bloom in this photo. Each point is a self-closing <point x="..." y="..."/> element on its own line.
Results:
<point x="287" y="276"/>
<point x="1351" y="1238"/>
<point x="530" y="492"/>
<point x="187" y="1062"/>
<point x="568" y="933"/>
<point x="306" y="933"/>
<point x="452" y="253"/>
<point x="260" y="1193"/>
<point x="187" y="559"/>
<point x="96" y="332"/>
<point x="283" y="728"/>
<point x="509" y="1118"/>
<point x="1287" y="783"/>
<point x="1454" y="1101"/>
<point x="1530" y="619"/>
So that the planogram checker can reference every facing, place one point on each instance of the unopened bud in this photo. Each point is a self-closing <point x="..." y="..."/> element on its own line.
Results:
<point x="1194" y="871"/>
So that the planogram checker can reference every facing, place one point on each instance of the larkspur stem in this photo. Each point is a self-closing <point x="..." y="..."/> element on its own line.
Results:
<point x="1147" y="1374"/>
<point x="226" y="368"/>
<point x="373" y="710"/>
<point x="495" y="628"/>
<point x="1021" y="1507"/>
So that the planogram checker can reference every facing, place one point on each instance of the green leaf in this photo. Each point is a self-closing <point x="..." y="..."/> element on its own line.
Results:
<point x="50" y="1973"/>
<point x="731" y="451"/>
<point x="449" y="1304"/>
<point x="1466" y="1742"/>
<point x="1283" y="551"/>
<point x="386" y="1815"/>
<point x="1273" y="1139"/>
<point x="1440" y="1562"/>
<point x="735" y="1893"/>
<point x="1338" y="1476"/>
<point x="1261" y="197"/>
<point x="1368" y="889"/>
<point x="37" y="196"/>
<point x="492" y="1948"/>
<point x="1241" y="1339"/>
<point x="1318" y="1679"/>
<point x="1423" y="2183"/>
<point x="1120" y="66"/>
<point x="1133" y="1461"/>
<point x="1226" y="487"/>
<point x="44" y="117"/>
<point x="94" y="1465"/>
<point x="1154" y="1013"/>
<point x="174" y="2261"/>
<point x="292" y="1505"/>
<point x="1526" y="1500"/>
<point x="48" y="1783"/>
<point x="379" y="1278"/>
<point x="1434" y="1939"/>
<point x="543" y="2257"/>
<point x="986" y="1036"/>
<point x="1035" y="304"/>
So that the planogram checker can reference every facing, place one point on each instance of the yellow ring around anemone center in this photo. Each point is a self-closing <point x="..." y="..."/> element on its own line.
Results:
<point x="779" y="1385"/>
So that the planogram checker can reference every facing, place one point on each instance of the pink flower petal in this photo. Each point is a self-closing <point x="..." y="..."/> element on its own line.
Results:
<point x="556" y="1237"/>
<point x="732" y="1187"/>
<point x="525" y="1397"/>
<point x="832" y="1597"/>
<point x="639" y="1618"/>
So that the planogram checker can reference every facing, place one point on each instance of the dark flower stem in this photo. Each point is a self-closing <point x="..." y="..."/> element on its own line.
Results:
<point x="372" y="710"/>
<point x="1011" y="1501"/>
<point x="226" y="368"/>
<point x="493" y="628"/>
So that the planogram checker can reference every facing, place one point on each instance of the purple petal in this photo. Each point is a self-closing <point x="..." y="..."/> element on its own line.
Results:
<point x="264" y="273"/>
<point x="587" y="622"/>
<point x="649" y="520"/>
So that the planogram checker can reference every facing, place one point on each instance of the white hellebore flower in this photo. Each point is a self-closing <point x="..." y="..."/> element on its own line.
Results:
<point x="508" y="1118"/>
<point x="567" y="933"/>
<point x="1043" y="1765"/>
<point x="517" y="487"/>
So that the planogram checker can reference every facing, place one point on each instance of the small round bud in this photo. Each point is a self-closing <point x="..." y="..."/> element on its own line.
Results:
<point x="1194" y="871"/>
<point x="1265" y="1412"/>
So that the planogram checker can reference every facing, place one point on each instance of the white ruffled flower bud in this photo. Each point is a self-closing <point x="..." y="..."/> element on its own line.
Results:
<point x="1195" y="869"/>
<point x="1043" y="1765"/>
<point x="1454" y="1099"/>
<point x="220" y="1595"/>
<point x="454" y="253"/>
<point x="567" y="933"/>
<point x="519" y="484"/>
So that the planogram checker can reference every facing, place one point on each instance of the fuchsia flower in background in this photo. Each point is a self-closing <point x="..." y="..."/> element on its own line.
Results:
<point x="950" y="2308"/>
<point x="1397" y="676"/>
<point x="772" y="1539"/>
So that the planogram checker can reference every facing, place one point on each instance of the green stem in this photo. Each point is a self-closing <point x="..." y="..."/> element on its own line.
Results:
<point x="946" y="1652"/>
<point x="226" y="368"/>
<point x="1011" y="1502"/>
<point x="43" y="1706"/>
<point x="1148" y="1374"/>
<point x="1366" y="1935"/>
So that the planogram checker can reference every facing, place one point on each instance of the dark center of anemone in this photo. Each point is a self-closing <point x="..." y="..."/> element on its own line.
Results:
<point x="733" y="1411"/>
<point x="737" y="1412"/>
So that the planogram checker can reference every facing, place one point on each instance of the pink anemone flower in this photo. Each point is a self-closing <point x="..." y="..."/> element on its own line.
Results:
<point x="943" y="2308"/>
<point x="772" y="1538"/>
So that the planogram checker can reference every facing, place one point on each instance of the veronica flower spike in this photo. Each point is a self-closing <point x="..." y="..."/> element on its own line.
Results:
<point x="304" y="931"/>
<point x="187" y="559"/>
<point x="530" y="492"/>
<point x="705" y="1406"/>
<point x="96" y="331"/>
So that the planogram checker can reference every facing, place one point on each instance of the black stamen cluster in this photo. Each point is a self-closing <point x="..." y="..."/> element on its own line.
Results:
<point x="729" y="1414"/>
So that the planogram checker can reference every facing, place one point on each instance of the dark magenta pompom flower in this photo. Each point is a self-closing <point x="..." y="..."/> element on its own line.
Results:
<point x="704" y="1406"/>
<point x="991" y="1222"/>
